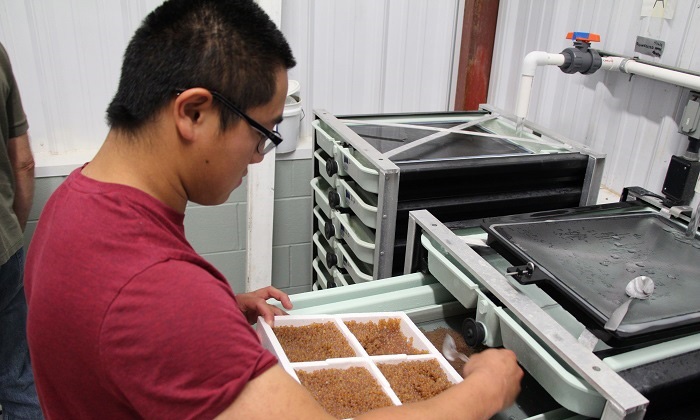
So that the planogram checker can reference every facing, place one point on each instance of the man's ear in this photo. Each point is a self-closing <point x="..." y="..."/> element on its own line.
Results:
<point x="189" y="111"/>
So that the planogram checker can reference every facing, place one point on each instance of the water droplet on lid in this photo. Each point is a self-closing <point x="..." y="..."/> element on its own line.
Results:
<point x="615" y="256"/>
<point x="618" y="244"/>
<point x="605" y="263"/>
<point x="630" y="269"/>
<point x="631" y="251"/>
<point x="671" y="276"/>
<point x="615" y="237"/>
<point x="639" y="264"/>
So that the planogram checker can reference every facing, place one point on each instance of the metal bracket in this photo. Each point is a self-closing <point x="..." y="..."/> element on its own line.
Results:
<point x="623" y="401"/>
<point x="437" y="135"/>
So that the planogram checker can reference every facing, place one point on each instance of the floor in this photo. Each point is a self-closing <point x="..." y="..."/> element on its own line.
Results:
<point x="607" y="196"/>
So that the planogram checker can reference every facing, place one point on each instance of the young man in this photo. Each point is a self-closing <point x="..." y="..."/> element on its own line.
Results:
<point x="17" y="392"/>
<point x="125" y="319"/>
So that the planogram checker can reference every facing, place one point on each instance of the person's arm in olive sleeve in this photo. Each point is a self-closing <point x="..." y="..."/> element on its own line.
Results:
<point x="23" y="167"/>
<point x="18" y="151"/>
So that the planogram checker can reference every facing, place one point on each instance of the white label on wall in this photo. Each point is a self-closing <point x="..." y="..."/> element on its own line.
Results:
<point x="649" y="46"/>
<point x="658" y="8"/>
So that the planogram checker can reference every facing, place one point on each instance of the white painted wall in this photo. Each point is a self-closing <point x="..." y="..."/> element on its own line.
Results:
<point x="635" y="122"/>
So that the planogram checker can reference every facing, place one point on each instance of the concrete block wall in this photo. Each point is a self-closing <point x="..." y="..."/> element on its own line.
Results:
<point x="218" y="233"/>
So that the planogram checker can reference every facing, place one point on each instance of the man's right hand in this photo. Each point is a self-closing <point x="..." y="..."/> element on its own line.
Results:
<point x="499" y="370"/>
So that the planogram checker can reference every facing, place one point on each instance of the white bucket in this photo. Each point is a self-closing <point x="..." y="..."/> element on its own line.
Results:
<point x="289" y="127"/>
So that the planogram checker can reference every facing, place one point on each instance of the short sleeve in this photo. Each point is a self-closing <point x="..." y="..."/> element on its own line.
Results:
<point x="17" y="120"/>
<point x="175" y="345"/>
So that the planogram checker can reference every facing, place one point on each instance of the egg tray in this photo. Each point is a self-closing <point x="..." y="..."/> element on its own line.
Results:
<point x="362" y="359"/>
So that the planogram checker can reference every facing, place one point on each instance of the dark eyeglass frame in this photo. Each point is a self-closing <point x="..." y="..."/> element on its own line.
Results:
<point x="271" y="138"/>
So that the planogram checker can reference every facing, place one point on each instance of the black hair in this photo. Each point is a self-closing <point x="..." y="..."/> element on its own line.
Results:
<point x="230" y="46"/>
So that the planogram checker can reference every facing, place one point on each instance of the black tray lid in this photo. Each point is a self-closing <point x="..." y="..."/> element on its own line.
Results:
<point x="450" y="146"/>
<point x="590" y="260"/>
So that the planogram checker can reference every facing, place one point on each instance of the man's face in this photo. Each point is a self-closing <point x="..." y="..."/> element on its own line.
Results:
<point x="230" y="153"/>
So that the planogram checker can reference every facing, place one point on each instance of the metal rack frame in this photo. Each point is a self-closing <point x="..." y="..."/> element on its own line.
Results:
<point x="388" y="182"/>
<point x="596" y="161"/>
<point x="389" y="172"/>
<point x="623" y="402"/>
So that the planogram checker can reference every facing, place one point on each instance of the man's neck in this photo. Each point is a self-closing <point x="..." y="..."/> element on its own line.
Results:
<point x="141" y="164"/>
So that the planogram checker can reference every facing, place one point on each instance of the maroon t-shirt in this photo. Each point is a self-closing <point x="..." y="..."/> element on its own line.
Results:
<point x="125" y="320"/>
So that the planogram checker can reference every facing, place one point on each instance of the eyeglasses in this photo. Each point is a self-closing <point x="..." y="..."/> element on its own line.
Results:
<point x="268" y="139"/>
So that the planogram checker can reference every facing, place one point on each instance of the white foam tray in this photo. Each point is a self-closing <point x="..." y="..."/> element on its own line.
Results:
<point x="408" y="328"/>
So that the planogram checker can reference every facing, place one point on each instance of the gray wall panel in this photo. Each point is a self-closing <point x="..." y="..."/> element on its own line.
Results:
<point x="280" y="267"/>
<point x="298" y="289"/>
<point x="242" y="224"/>
<point x="300" y="266"/>
<point x="28" y="233"/>
<point x="232" y="266"/>
<point x="43" y="188"/>
<point x="212" y="229"/>
<point x="292" y="223"/>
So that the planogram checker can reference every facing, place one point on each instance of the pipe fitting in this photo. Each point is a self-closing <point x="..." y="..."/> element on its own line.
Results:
<point x="581" y="59"/>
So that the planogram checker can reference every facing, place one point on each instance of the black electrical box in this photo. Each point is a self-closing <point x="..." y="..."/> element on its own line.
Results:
<point x="680" y="180"/>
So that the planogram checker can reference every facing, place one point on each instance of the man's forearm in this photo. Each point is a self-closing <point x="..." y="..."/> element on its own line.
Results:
<point x="23" y="167"/>
<point x="24" y="194"/>
<point x="470" y="400"/>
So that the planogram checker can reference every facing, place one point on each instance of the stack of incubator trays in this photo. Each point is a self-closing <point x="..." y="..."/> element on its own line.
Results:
<point x="370" y="171"/>
<point x="345" y="216"/>
<point x="354" y="363"/>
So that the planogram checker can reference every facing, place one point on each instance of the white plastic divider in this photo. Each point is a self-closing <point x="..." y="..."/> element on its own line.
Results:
<point x="322" y="249"/>
<point x="407" y="327"/>
<point x="342" y="279"/>
<point x="322" y="220"/>
<point x="322" y="159"/>
<point x="323" y="139"/>
<point x="354" y="165"/>
<point x="358" y="270"/>
<point x="364" y="205"/>
<point x="359" y="237"/>
<point x="322" y="274"/>
<point x="321" y="188"/>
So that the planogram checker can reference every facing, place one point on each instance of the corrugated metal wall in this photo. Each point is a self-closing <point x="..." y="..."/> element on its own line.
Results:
<point x="362" y="56"/>
<point x="635" y="122"/>
<point x="371" y="56"/>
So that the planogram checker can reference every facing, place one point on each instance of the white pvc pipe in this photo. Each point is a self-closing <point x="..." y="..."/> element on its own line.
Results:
<point x="657" y="73"/>
<point x="530" y="64"/>
<point x="624" y="65"/>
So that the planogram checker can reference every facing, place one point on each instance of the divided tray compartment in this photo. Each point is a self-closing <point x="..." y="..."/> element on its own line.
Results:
<point x="407" y="327"/>
<point x="349" y="363"/>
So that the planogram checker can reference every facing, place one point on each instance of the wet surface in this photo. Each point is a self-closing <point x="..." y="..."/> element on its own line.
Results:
<point x="592" y="260"/>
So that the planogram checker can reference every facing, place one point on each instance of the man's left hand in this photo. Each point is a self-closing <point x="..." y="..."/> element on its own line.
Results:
<point x="254" y="304"/>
